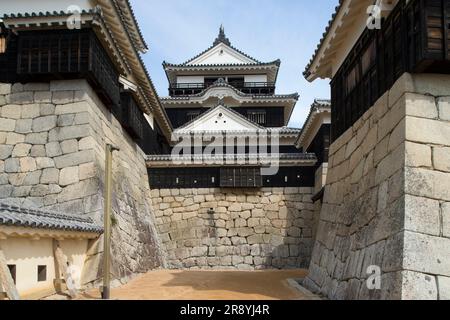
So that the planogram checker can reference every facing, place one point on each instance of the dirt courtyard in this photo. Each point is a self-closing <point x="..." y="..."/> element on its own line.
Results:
<point x="209" y="285"/>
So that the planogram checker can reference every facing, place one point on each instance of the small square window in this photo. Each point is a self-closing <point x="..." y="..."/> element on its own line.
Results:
<point x="42" y="273"/>
<point x="13" y="270"/>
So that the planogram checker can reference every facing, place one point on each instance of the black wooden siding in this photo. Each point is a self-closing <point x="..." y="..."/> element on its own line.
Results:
<point x="414" y="38"/>
<point x="274" y="115"/>
<point x="320" y="146"/>
<point x="78" y="54"/>
<point x="62" y="54"/>
<point x="212" y="177"/>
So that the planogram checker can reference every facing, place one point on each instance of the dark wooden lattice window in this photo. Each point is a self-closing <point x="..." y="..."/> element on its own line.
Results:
<point x="257" y="116"/>
<point x="240" y="177"/>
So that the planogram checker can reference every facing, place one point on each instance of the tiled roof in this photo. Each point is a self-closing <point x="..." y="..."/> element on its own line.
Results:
<point x="221" y="38"/>
<point x="185" y="65"/>
<point x="281" y="156"/>
<point x="44" y="14"/>
<point x="325" y="34"/>
<point x="39" y="219"/>
<point x="132" y="25"/>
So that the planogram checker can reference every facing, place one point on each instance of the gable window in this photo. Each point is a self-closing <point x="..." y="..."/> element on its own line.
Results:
<point x="257" y="116"/>
<point x="192" y="115"/>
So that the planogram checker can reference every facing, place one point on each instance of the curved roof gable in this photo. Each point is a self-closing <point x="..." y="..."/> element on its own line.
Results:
<point x="220" y="118"/>
<point x="220" y="53"/>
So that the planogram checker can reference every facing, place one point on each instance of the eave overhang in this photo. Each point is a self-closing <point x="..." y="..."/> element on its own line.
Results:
<point x="259" y="160"/>
<point x="338" y="29"/>
<point x="270" y="68"/>
<point x="320" y="113"/>
<point x="288" y="101"/>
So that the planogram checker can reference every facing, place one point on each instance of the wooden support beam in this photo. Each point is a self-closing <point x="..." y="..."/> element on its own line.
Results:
<point x="6" y="280"/>
<point x="61" y="268"/>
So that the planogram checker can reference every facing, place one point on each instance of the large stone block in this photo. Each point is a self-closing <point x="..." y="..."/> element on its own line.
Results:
<point x="67" y="133"/>
<point x="27" y="164"/>
<point x="5" y="151"/>
<point x="419" y="286"/>
<point x="5" y="88"/>
<point x="418" y="155"/>
<point x="427" y="183"/>
<point x="426" y="254"/>
<point x="21" y="150"/>
<point x="53" y="149"/>
<point x="21" y="97"/>
<point x="31" y="111"/>
<point x="441" y="158"/>
<point x="42" y="124"/>
<point x="446" y="219"/>
<point x="423" y="106"/>
<point x="43" y="163"/>
<point x="43" y="97"/>
<point x="422" y="215"/>
<point x="50" y="176"/>
<point x="427" y="131"/>
<point x="78" y="191"/>
<point x="72" y="108"/>
<point x="68" y="176"/>
<point x="444" y="288"/>
<point x="62" y="97"/>
<point x="14" y="138"/>
<point x="69" y="146"/>
<point x="444" y="108"/>
<point x="74" y="159"/>
<point x="12" y="165"/>
<point x="24" y="126"/>
<point x="11" y="111"/>
<point x="7" y="124"/>
<point x="37" y="138"/>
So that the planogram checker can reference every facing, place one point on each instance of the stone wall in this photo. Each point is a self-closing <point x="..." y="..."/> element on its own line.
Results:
<point x="52" y="141"/>
<point x="387" y="199"/>
<point x="237" y="228"/>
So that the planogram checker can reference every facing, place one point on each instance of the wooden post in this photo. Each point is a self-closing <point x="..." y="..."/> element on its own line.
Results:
<point x="6" y="279"/>
<point x="107" y="222"/>
<point x="61" y="269"/>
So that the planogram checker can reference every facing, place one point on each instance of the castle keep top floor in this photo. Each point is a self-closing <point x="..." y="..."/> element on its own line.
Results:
<point x="223" y="73"/>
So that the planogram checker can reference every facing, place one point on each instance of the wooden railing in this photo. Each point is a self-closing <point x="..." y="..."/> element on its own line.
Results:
<point x="258" y="88"/>
<point x="414" y="38"/>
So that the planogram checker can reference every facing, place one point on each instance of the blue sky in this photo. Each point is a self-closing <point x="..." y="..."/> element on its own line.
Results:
<point x="290" y="30"/>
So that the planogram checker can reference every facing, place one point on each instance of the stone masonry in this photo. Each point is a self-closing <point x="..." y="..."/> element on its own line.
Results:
<point x="235" y="229"/>
<point x="387" y="199"/>
<point x="52" y="141"/>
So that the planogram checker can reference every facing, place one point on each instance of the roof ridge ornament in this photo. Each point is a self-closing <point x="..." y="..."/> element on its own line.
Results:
<point x="222" y="38"/>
